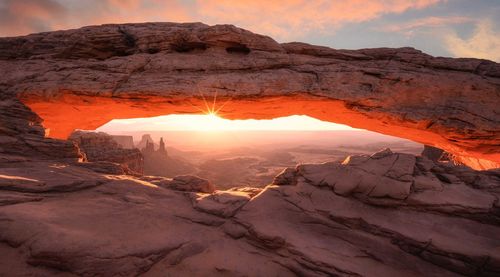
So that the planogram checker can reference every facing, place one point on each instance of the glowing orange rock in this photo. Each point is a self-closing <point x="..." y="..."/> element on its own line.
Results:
<point x="151" y="69"/>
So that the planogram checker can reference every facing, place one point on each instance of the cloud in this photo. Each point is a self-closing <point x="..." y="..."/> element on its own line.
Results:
<point x="484" y="43"/>
<point x="281" y="19"/>
<point x="292" y="19"/>
<point x="122" y="11"/>
<point x="28" y="16"/>
<point x="426" y="22"/>
<point x="21" y="17"/>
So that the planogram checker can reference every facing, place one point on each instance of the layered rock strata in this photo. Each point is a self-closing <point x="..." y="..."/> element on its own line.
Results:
<point x="101" y="147"/>
<point x="86" y="77"/>
<point x="126" y="142"/>
<point x="388" y="214"/>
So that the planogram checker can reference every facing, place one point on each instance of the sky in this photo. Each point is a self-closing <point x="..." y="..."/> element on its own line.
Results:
<point x="450" y="28"/>
<point x="211" y="123"/>
<point x="455" y="28"/>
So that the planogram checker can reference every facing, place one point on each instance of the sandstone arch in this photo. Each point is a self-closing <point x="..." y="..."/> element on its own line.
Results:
<point x="83" y="78"/>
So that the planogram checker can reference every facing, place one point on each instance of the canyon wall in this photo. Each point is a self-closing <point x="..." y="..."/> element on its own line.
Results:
<point x="98" y="146"/>
<point x="126" y="142"/>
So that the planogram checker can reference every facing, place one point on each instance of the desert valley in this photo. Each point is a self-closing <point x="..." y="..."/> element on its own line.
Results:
<point x="235" y="158"/>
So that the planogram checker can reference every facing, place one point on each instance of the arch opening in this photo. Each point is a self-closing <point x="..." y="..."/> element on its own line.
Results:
<point x="69" y="112"/>
<point x="237" y="153"/>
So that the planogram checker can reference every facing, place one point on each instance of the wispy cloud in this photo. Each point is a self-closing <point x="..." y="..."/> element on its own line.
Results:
<point x="281" y="19"/>
<point x="28" y="16"/>
<point x="410" y="27"/>
<point x="21" y="17"/>
<point x="484" y="43"/>
<point x="295" y="18"/>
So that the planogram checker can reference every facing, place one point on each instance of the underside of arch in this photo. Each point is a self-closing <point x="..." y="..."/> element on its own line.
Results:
<point x="141" y="70"/>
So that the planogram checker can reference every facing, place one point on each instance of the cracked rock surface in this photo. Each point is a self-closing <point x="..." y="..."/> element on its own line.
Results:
<point x="400" y="215"/>
<point x="386" y="214"/>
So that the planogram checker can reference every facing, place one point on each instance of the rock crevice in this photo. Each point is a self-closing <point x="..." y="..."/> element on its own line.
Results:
<point x="301" y="225"/>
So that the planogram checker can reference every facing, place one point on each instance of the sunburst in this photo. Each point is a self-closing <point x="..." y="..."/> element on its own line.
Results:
<point x="211" y="108"/>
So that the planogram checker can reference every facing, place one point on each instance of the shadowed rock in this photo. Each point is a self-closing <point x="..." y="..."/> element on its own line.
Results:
<point x="182" y="183"/>
<point x="386" y="214"/>
<point x="65" y="219"/>
<point x="432" y="153"/>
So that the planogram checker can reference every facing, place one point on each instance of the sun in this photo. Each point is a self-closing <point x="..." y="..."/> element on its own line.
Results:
<point x="212" y="122"/>
<point x="209" y="120"/>
<point x="212" y="115"/>
<point x="211" y="108"/>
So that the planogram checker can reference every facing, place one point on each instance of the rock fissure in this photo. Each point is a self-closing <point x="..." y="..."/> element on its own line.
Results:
<point x="409" y="245"/>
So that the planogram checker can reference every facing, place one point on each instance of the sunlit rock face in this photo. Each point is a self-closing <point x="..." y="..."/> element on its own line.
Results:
<point x="83" y="78"/>
<point x="99" y="147"/>
<point x="22" y="136"/>
<point x="386" y="214"/>
<point x="126" y="142"/>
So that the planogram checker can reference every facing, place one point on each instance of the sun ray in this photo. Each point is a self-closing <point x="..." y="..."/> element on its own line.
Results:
<point x="214" y="103"/>
<point x="222" y="106"/>
<point x="212" y="108"/>
<point x="206" y="104"/>
<point x="198" y="108"/>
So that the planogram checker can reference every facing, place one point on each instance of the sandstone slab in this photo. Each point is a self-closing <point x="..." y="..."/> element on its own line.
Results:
<point x="130" y="225"/>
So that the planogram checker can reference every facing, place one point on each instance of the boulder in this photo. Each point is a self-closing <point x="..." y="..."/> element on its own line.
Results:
<point x="184" y="183"/>
<point x="220" y="203"/>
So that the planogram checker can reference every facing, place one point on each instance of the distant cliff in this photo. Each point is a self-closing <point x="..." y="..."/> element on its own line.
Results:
<point x="144" y="141"/>
<point x="126" y="142"/>
<point x="158" y="162"/>
<point x="103" y="147"/>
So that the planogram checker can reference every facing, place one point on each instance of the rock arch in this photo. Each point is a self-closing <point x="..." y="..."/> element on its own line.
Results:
<point x="85" y="77"/>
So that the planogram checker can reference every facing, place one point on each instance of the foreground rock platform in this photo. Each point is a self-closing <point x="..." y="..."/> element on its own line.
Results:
<point x="388" y="214"/>
<point x="98" y="73"/>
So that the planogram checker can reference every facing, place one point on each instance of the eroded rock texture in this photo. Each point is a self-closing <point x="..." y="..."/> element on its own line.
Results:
<point x="22" y="136"/>
<point x="83" y="78"/>
<point x="99" y="147"/>
<point x="388" y="214"/>
<point x="126" y="142"/>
